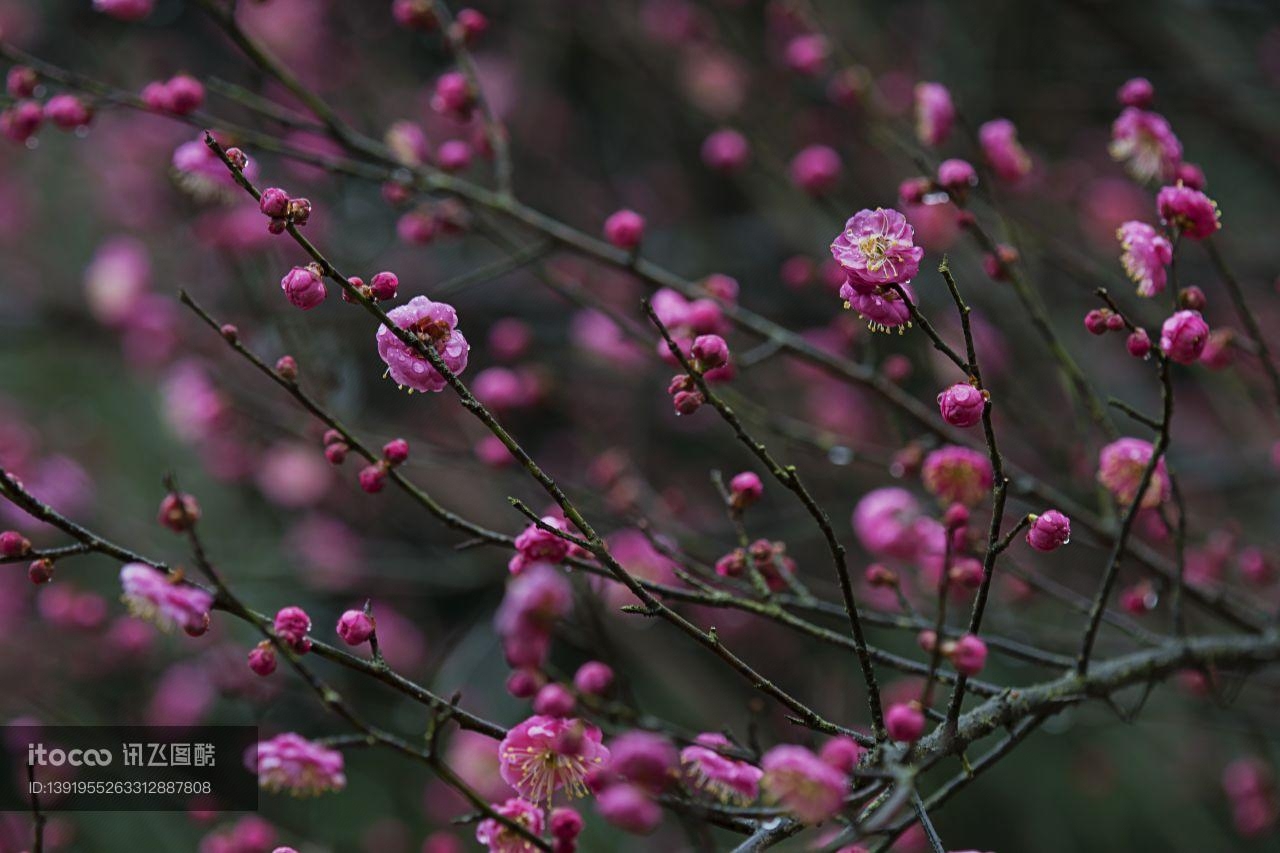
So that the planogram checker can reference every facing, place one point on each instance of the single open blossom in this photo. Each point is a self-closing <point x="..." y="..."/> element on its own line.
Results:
<point x="1050" y="531"/>
<point x="164" y="599"/>
<point x="1120" y="468"/>
<point x="707" y="768"/>
<point x="962" y="405"/>
<point x="543" y="755"/>
<point x="1190" y="211"/>
<point x="435" y="325"/>
<point x="957" y="475"/>
<point x="1146" y="145"/>
<point x="1005" y="154"/>
<point x="500" y="838"/>
<point x="877" y="247"/>
<point x="1183" y="336"/>
<point x="883" y="308"/>
<point x="803" y="783"/>
<point x="303" y="287"/>
<point x="303" y="768"/>
<point x="935" y="113"/>
<point x="1145" y="254"/>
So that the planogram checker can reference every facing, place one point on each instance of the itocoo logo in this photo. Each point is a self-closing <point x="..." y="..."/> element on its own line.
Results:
<point x="39" y="756"/>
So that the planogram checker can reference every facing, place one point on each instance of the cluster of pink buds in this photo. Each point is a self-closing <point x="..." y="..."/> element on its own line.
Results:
<point x="1099" y="321"/>
<point x="1250" y="786"/>
<point x="180" y="95"/>
<point x="335" y="447"/>
<point x="374" y="476"/>
<point x="282" y="210"/>
<point x="21" y="121"/>
<point x="768" y="558"/>
<point x="685" y="396"/>
<point x="381" y="288"/>
<point x="178" y="512"/>
<point x="291" y="626"/>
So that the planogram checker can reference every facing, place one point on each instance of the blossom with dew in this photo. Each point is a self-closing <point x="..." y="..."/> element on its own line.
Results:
<point x="1120" y="468"/>
<point x="355" y="627"/>
<point x="1004" y="153"/>
<point x="291" y="625"/>
<point x="544" y="754"/>
<point x="164" y="599"/>
<point x="1145" y="253"/>
<point x="1183" y="336"/>
<point x="303" y="768"/>
<point x="956" y="474"/>
<point x="803" y="784"/>
<point x="1146" y="144"/>
<point x="1049" y="531"/>
<point x="934" y="113"/>
<point x="1190" y="211"/>
<point x="877" y="247"/>
<point x="962" y="405"/>
<point x="304" y="287"/>
<point x="708" y="768"/>
<point x="434" y="324"/>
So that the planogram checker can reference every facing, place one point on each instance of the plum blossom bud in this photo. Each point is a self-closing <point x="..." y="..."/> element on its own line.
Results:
<point x="1183" y="336"/>
<point x="156" y="96"/>
<point x="629" y="808"/>
<point x="373" y="478"/>
<point x="710" y="351"/>
<point x="262" y="658"/>
<point x="21" y="121"/>
<point x="336" y="452"/>
<point x="383" y="286"/>
<point x="745" y="489"/>
<point x="956" y="175"/>
<point x="593" y="678"/>
<point x="395" y="451"/>
<point x="816" y="169"/>
<point x="1096" y="321"/>
<point x="913" y="190"/>
<point x="1218" y="353"/>
<point x="178" y="512"/>
<point x="299" y="211"/>
<point x="274" y="203"/>
<point x="21" y="82"/>
<point x="1192" y="298"/>
<point x="287" y="368"/>
<point x="40" y="571"/>
<point x="927" y="640"/>
<point x="956" y="516"/>
<point x="1136" y="92"/>
<point x="935" y="114"/>
<point x="1138" y="343"/>
<point x="453" y="96"/>
<point x="726" y="151"/>
<point x="968" y="655"/>
<point x="67" y="112"/>
<point x="1190" y="175"/>
<point x="554" y="700"/>
<point x="1049" y="531"/>
<point x="1114" y="322"/>
<point x="14" y="544"/>
<point x="807" y="54"/>
<point x="414" y="15"/>
<point x="303" y="287"/>
<point x="230" y="333"/>
<point x="904" y="722"/>
<point x="880" y="575"/>
<point x="186" y="94"/>
<point x="624" y="229"/>
<point x="687" y="402"/>
<point x="471" y="24"/>
<point x="962" y="405"/>
<point x="524" y="683"/>
<point x="841" y="752"/>
<point x="1000" y="145"/>
<point x="355" y="627"/>
<point x="237" y="158"/>
<point x="454" y="156"/>
<point x="566" y="824"/>
<point x="291" y="626"/>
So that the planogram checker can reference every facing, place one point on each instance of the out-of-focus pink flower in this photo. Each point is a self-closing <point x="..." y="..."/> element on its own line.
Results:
<point x="1183" y="336"/>
<point x="726" y="151"/>
<point x="803" y="784"/>
<point x="935" y="113"/>
<point x="1004" y="153"/>
<point x="816" y="169"/>
<point x="957" y="475"/>
<point x="1146" y="145"/>
<point x="124" y="10"/>
<point x="163" y="599"/>
<point x="293" y="764"/>
<point x="501" y="839"/>
<point x="727" y="779"/>
<point x="884" y="520"/>
<point x="1145" y="254"/>
<point x="1120" y="468"/>
<point x="118" y="275"/>
<point x="1189" y="211"/>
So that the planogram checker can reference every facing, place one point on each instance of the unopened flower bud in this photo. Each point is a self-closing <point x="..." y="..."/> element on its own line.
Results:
<point x="178" y="512"/>
<point x="262" y="658"/>
<point x="395" y="451"/>
<point x="40" y="571"/>
<point x="287" y="368"/>
<point x="355" y="627"/>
